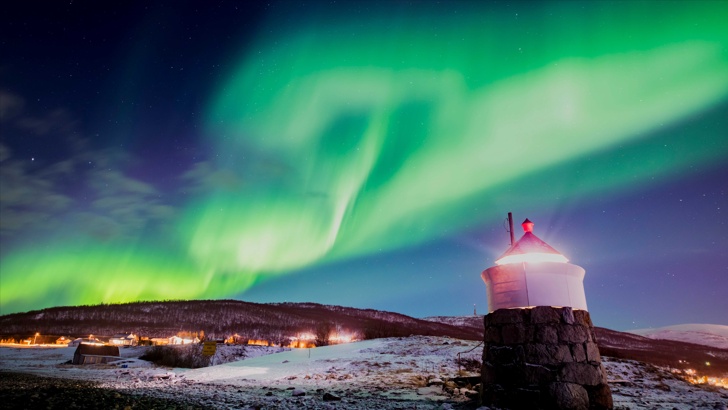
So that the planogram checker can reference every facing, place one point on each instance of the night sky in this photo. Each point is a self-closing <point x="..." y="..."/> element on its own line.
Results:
<point x="363" y="154"/>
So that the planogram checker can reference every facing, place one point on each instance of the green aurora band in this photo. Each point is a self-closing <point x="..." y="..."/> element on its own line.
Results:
<point x="380" y="134"/>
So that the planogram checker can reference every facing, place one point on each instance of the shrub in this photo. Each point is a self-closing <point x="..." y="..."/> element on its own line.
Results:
<point x="187" y="356"/>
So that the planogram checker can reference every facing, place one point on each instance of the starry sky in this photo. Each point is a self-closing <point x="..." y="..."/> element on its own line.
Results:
<point x="363" y="154"/>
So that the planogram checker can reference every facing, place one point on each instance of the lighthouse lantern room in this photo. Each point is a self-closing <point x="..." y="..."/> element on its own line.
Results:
<point x="532" y="273"/>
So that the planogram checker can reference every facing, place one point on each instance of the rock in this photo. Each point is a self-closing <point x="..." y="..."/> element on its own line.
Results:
<point x="581" y="317"/>
<point x="600" y="397"/>
<point x="270" y="393"/>
<point x="508" y="316"/>
<point x="331" y="397"/>
<point x="429" y="391"/>
<point x="435" y="382"/>
<point x="546" y="334"/>
<point x="536" y="374"/>
<point x="567" y="315"/>
<point x="663" y="387"/>
<point x="298" y="393"/>
<point x="501" y="355"/>
<point x="572" y="334"/>
<point x="493" y="334"/>
<point x="592" y="352"/>
<point x="569" y="396"/>
<point x="543" y="354"/>
<point x="514" y="334"/>
<point x="578" y="353"/>
<point x="582" y="373"/>
<point x="545" y="314"/>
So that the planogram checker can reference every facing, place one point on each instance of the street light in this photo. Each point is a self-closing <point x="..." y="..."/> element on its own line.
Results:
<point x="36" y="337"/>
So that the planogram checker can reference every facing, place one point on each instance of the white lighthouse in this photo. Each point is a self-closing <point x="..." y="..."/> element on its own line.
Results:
<point x="532" y="273"/>
<point x="540" y="350"/>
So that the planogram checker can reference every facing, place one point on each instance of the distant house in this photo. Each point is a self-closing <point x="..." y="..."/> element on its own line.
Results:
<point x="80" y="341"/>
<point x="92" y="354"/>
<point x="63" y="340"/>
<point x="123" y="339"/>
<point x="176" y="340"/>
<point x="160" y="341"/>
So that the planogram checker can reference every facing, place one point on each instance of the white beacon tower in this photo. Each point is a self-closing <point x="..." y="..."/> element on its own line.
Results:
<point x="532" y="273"/>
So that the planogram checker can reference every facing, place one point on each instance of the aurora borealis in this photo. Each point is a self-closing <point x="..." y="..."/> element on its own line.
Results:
<point x="363" y="154"/>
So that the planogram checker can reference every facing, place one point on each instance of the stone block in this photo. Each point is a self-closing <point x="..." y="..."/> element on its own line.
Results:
<point x="524" y="398"/>
<point x="572" y="333"/>
<point x="514" y="334"/>
<point x="582" y="373"/>
<point x="510" y="375"/>
<point x="569" y="396"/>
<point x="567" y="315"/>
<point x="520" y="354"/>
<point x="492" y="393"/>
<point x="501" y="355"/>
<point x="534" y="374"/>
<point x="487" y="374"/>
<point x="545" y="314"/>
<point x="600" y="397"/>
<point x="578" y="352"/>
<point x="543" y="354"/>
<point x="493" y="334"/>
<point x="581" y="317"/>
<point x="508" y="316"/>
<point x="592" y="352"/>
<point x="546" y="334"/>
<point x="538" y="353"/>
<point x="563" y="354"/>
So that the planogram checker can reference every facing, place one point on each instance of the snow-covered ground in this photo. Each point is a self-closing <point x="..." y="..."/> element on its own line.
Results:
<point x="383" y="373"/>
<point x="702" y="334"/>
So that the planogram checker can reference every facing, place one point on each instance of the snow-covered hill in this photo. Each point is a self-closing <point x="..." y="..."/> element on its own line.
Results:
<point x="702" y="334"/>
<point x="474" y="321"/>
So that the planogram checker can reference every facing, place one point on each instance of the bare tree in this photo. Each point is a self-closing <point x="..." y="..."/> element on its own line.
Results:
<point x="323" y="333"/>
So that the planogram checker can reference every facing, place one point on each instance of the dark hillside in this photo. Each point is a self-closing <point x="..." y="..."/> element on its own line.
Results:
<point x="220" y="319"/>
<point x="705" y="359"/>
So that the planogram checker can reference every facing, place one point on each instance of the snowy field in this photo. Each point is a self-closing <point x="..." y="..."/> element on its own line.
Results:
<point x="397" y="373"/>
<point x="702" y="334"/>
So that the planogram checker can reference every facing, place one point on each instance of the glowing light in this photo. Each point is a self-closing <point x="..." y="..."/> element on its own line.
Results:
<point x="532" y="258"/>
<point x="258" y="342"/>
<point x="341" y="338"/>
<point x="691" y="376"/>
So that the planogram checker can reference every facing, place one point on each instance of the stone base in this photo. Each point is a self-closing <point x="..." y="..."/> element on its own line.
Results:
<point x="543" y="358"/>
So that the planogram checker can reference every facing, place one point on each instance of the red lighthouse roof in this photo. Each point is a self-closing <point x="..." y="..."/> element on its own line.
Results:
<point x="530" y="248"/>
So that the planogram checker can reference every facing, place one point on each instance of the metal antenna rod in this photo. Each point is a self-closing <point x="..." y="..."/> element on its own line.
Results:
<point x="510" y="227"/>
